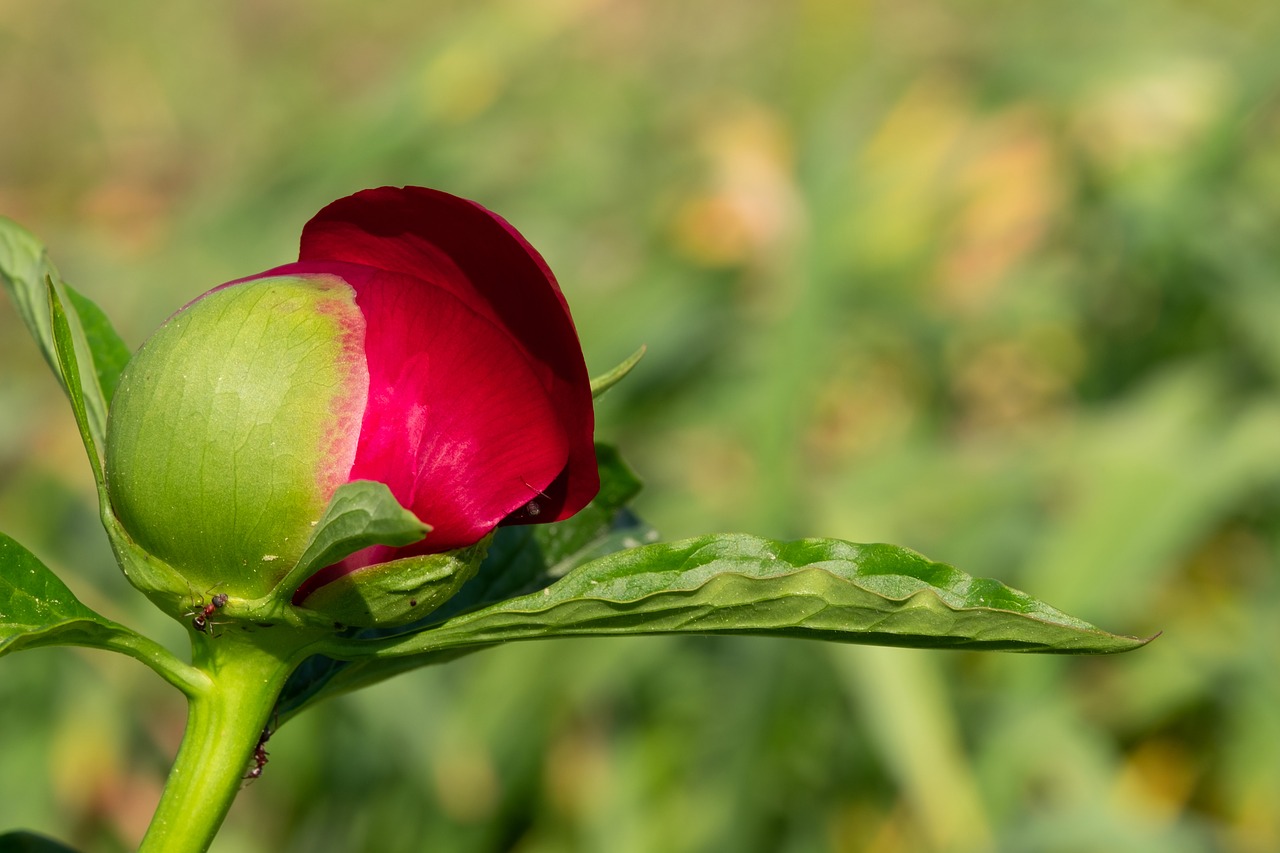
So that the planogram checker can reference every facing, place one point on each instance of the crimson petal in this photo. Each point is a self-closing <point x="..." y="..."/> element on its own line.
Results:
<point x="481" y="260"/>
<point x="456" y="424"/>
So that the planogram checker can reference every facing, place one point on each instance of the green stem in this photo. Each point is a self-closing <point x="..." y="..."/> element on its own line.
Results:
<point x="225" y="721"/>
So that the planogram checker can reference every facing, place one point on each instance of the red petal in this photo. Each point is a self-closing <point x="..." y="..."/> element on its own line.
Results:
<point x="456" y="425"/>
<point x="475" y="255"/>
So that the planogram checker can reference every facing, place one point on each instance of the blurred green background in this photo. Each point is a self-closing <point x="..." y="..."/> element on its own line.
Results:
<point x="993" y="280"/>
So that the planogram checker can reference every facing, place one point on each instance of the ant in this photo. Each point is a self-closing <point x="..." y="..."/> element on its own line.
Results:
<point x="200" y="615"/>
<point x="259" y="755"/>
<point x="532" y="508"/>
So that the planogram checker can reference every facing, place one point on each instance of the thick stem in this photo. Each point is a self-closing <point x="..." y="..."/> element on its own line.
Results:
<point x="224" y="725"/>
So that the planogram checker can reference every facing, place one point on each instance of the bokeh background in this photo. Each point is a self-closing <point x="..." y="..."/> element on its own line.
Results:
<point x="995" y="280"/>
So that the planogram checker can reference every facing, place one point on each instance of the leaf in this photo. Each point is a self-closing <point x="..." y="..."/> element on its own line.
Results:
<point x="522" y="559"/>
<point x="23" y="267"/>
<point x="26" y="272"/>
<point x="360" y="513"/>
<point x="37" y="609"/>
<point x="603" y="383"/>
<point x="22" y="841"/>
<point x="396" y="592"/>
<point x="822" y="589"/>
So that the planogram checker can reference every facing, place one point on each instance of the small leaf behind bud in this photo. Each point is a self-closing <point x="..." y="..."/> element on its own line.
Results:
<point x="360" y="513"/>
<point x="398" y="592"/>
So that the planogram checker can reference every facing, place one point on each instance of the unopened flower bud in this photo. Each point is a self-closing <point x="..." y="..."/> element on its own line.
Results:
<point x="418" y="342"/>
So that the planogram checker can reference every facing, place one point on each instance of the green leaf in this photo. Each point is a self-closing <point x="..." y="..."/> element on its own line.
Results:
<point x="24" y="264"/>
<point x="37" y="609"/>
<point x="396" y="592"/>
<point x="360" y="513"/>
<point x="521" y="559"/>
<point x="600" y="384"/>
<point x="22" y="841"/>
<point x="26" y="272"/>
<point x="813" y="588"/>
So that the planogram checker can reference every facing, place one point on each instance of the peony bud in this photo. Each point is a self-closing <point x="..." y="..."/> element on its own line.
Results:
<point x="419" y="342"/>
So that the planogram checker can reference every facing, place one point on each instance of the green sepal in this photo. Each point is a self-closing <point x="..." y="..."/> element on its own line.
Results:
<point x="109" y="352"/>
<point x="37" y="609"/>
<point x="69" y="369"/>
<point x="604" y="382"/>
<point x="823" y="589"/>
<point x="396" y="592"/>
<point x="27" y="273"/>
<point x="360" y="513"/>
<point x="164" y="585"/>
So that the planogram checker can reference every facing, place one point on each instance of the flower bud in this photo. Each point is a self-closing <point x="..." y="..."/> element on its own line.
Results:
<point x="418" y="342"/>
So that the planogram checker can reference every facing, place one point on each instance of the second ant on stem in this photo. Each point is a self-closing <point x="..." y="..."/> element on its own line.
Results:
<point x="260" y="753"/>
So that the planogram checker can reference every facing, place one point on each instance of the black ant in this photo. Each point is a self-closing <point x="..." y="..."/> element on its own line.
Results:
<point x="200" y="615"/>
